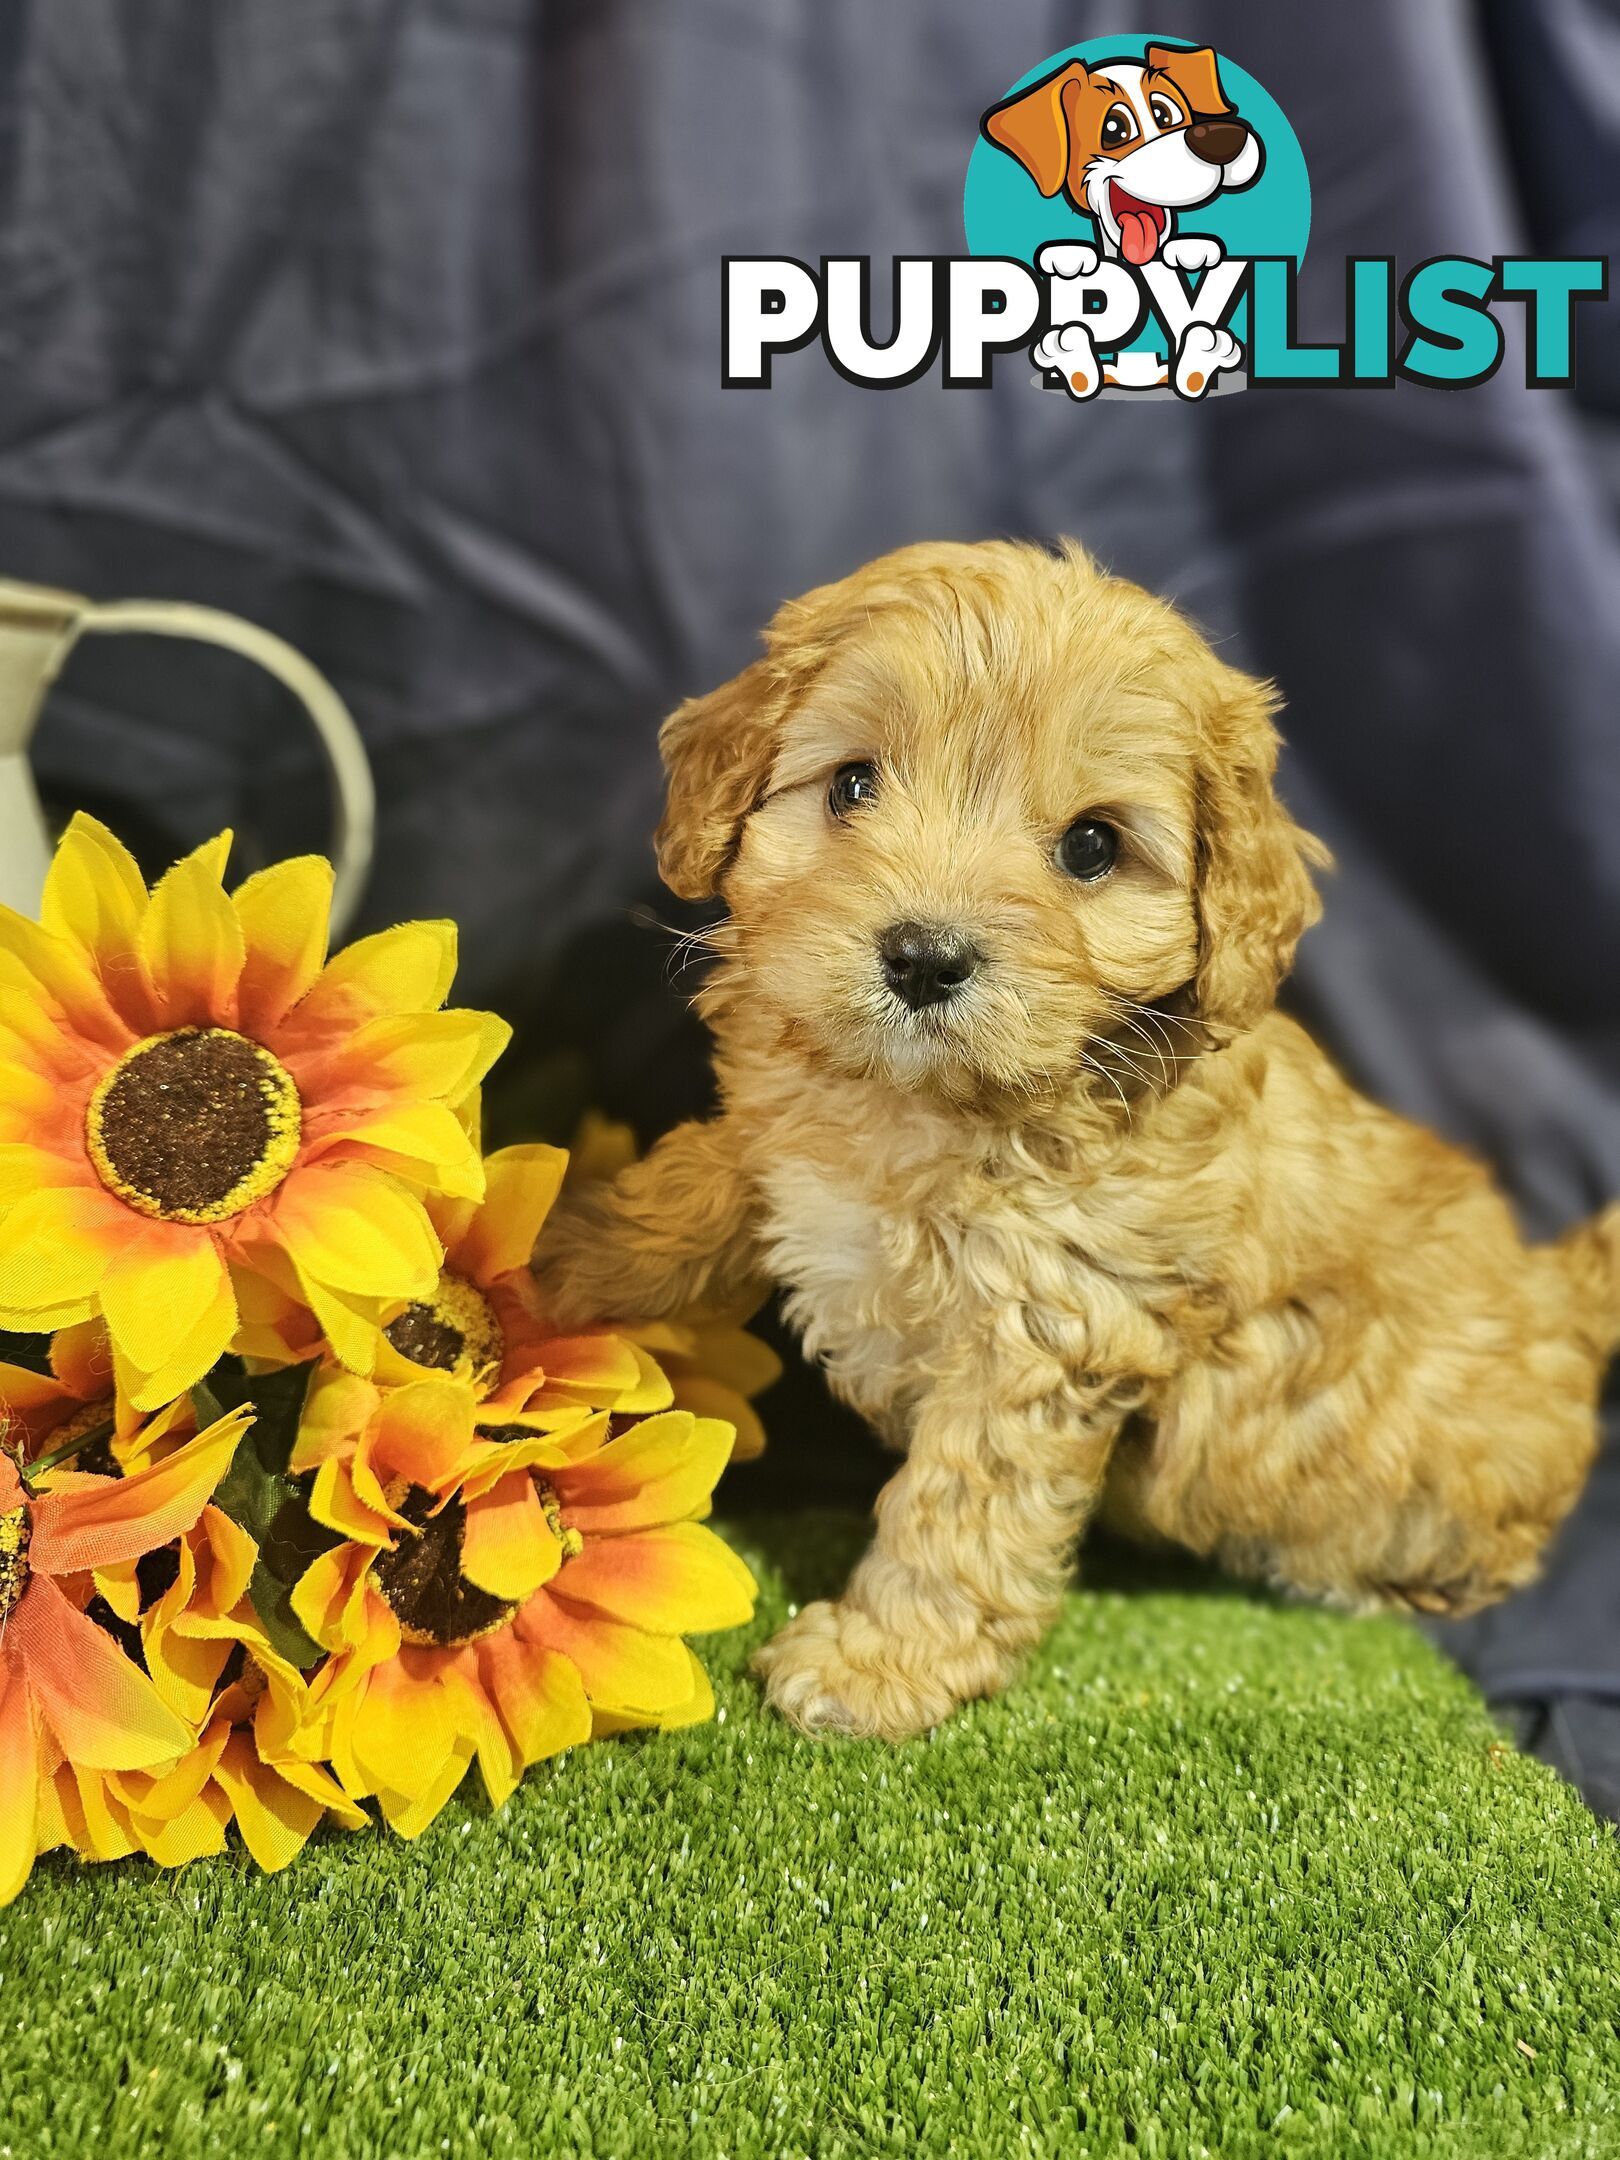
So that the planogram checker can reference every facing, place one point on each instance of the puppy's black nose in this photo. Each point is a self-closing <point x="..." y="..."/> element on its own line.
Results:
<point x="1217" y="142"/>
<point x="923" y="964"/>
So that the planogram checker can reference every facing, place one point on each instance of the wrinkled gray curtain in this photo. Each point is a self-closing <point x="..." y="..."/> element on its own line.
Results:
<point x="395" y="326"/>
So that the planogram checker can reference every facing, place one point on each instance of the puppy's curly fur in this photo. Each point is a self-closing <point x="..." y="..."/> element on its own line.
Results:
<point x="1102" y="1231"/>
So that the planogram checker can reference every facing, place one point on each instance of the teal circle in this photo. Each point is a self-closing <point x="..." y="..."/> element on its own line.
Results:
<point x="1005" y="213"/>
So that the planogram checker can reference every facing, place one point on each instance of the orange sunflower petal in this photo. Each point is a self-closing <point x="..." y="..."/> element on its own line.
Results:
<point x="538" y="1694"/>
<point x="622" y="1667"/>
<point x="191" y="948"/>
<point x="101" y="1709"/>
<point x="82" y="1360"/>
<point x="92" y="1522"/>
<point x="282" y="913"/>
<point x="19" y="1783"/>
<point x="680" y="1580"/>
<point x="660" y="1471"/>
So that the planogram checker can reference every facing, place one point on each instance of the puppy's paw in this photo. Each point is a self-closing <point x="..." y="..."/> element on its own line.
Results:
<point x="1067" y="259"/>
<point x="1069" y="351"/>
<point x="1202" y="354"/>
<point x="832" y="1670"/>
<point x="1192" y="251"/>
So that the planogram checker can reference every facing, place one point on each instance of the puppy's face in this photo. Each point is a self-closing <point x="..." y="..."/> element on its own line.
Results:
<point x="969" y="805"/>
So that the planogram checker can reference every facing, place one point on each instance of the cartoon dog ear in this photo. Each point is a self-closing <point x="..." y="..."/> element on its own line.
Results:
<point x="1196" y="74"/>
<point x="1033" y="127"/>
<point x="1255" y="897"/>
<point x="717" y="753"/>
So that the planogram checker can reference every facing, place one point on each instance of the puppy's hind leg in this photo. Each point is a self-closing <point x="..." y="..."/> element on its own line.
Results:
<point x="974" y="1537"/>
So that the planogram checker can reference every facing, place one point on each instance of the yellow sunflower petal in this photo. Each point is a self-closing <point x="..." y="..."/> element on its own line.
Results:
<point x="507" y="1546"/>
<point x="200" y="1348"/>
<point x="82" y="1360"/>
<point x="62" y="974"/>
<point x="282" y="913"/>
<point x="421" y="1141"/>
<point x="408" y="969"/>
<point x="191" y="947"/>
<point x="160" y="1286"/>
<point x="520" y="1184"/>
<point x="194" y="1834"/>
<point x="404" y="1728"/>
<point x="273" y="1815"/>
<point x="354" y="1231"/>
<point x="94" y="899"/>
<point x="337" y="1409"/>
<point x="697" y="1709"/>
<point x="709" y="1398"/>
<point x="56" y="1245"/>
<point x="407" y="1815"/>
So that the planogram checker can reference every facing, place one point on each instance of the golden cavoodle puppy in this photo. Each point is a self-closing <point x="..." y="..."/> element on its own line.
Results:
<point x="1059" y="1201"/>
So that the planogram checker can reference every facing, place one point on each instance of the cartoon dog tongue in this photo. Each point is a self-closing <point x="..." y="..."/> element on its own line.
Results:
<point x="1138" y="235"/>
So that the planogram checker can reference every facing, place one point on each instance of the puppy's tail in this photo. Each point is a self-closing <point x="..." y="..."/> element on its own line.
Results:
<point x="1592" y="1250"/>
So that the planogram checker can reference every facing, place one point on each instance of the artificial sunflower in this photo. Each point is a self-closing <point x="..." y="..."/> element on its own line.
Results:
<point x="73" y="1399"/>
<point x="481" y="1320"/>
<point x="67" y="1690"/>
<point x="212" y="1662"/>
<point x="504" y="1589"/>
<point x="192" y="1096"/>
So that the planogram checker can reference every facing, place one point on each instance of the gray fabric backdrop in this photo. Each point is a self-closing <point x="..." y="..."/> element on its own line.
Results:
<point x="394" y="325"/>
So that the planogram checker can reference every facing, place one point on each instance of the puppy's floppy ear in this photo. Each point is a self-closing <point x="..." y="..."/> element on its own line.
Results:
<point x="1254" y="895"/>
<point x="717" y="753"/>
<point x="1195" y="74"/>
<point x="1033" y="127"/>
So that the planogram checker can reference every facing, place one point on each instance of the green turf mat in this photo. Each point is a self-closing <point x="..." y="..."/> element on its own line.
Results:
<point x="1218" y="1878"/>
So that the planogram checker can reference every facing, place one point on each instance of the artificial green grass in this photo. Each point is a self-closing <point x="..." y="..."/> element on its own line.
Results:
<point x="1219" y="1878"/>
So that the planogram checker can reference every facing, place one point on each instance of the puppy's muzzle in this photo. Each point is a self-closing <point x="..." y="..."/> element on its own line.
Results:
<point x="1217" y="142"/>
<point x="924" y="964"/>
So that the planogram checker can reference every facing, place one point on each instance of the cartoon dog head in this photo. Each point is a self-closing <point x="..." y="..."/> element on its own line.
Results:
<point x="1130" y="142"/>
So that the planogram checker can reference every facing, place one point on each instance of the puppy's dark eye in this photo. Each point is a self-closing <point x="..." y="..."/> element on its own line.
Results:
<point x="1164" y="113"/>
<point x="1119" y="125"/>
<point x="853" y="787"/>
<point x="1087" y="850"/>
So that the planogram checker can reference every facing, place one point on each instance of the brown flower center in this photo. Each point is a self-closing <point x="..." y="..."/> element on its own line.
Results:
<point x="88" y="1432"/>
<point x="15" y="1533"/>
<point x="456" y="1323"/>
<point x="422" y="1579"/>
<point x="194" y="1126"/>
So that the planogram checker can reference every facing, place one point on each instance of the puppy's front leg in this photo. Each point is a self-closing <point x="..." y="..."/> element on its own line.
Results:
<point x="669" y="1234"/>
<point x="967" y="1568"/>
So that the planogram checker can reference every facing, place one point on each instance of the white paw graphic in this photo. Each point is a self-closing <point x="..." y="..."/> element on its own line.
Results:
<point x="1066" y="259"/>
<point x="1068" y="348"/>
<point x="1191" y="251"/>
<point x="1202" y="354"/>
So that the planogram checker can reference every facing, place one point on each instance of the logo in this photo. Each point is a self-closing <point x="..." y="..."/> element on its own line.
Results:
<point x="1136" y="211"/>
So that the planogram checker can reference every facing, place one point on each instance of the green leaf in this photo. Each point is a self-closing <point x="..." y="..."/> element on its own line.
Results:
<point x="31" y="1352"/>
<point x="259" y="1492"/>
